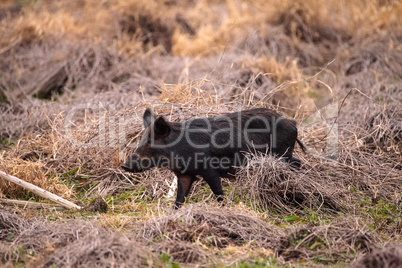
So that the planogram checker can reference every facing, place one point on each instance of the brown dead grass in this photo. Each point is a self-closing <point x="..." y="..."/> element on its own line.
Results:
<point x="192" y="94"/>
<point x="384" y="128"/>
<point x="218" y="227"/>
<point x="196" y="59"/>
<point x="32" y="172"/>
<point x="11" y="223"/>
<point x="187" y="234"/>
<point x="272" y="185"/>
<point x="69" y="243"/>
<point x="331" y="243"/>
<point x="196" y="234"/>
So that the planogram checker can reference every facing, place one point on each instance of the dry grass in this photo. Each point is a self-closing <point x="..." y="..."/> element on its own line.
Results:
<point x="384" y="129"/>
<point x="11" y="223"/>
<point x="216" y="226"/>
<point x="272" y="184"/>
<point x="32" y="172"/>
<point x="197" y="234"/>
<point x="69" y="243"/>
<point x="331" y="243"/>
<point x="187" y="235"/>
<point x="196" y="59"/>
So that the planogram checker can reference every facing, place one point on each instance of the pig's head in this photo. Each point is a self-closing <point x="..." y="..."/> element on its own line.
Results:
<point x="153" y="148"/>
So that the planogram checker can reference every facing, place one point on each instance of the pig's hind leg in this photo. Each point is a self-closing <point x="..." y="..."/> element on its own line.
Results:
<point x="213" y="179"/>
<point x="184" y="183"/>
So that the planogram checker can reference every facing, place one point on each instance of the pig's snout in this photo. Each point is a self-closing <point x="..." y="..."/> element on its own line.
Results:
<point x="127" y="167"/>
<point x="131" y="163"/>
<point x="136" y="164"/>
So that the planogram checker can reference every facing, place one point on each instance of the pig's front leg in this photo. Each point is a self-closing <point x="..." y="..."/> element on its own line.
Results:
<point x="214" y="181"/>
<point x="184" y="183"/>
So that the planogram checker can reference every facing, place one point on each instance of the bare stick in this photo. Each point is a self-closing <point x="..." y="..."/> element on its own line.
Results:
<point x="39" y="191"/>
<point x="29" y="204"/>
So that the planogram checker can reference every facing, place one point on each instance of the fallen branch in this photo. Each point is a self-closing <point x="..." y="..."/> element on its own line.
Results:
<point x="29" y="204"/>
<point x="39" y="191"/>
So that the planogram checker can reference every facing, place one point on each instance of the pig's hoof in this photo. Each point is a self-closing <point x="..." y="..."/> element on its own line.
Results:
<point x="220" y="199"/>
<point x="295" y="164"/>
<point x="177" y="206"/>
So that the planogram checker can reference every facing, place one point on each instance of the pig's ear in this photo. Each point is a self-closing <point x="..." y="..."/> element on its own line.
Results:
<point x="149" y="117"/>
<point x="161" y="126"/>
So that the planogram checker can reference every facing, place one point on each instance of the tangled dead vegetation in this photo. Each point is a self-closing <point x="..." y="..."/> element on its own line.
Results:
<point x="11" y="223"/>
<point x="101" y="249"/>
<point x="32" y="172"/>
<point x="384" y="129"/>
<point x="273" y="185"/>
<point x="381" y="56"/>
<point x="76" y="77"/>
<point x="330" y="243"/>
<point x="211" y="227"/>
<point x="195" y="234"/>
<point x="183" y="252"/>
<point x="225" y="225"/>
<point x="70" y="243"/>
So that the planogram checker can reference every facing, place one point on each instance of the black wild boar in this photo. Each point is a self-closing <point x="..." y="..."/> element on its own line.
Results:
<point x="212" y="147"/>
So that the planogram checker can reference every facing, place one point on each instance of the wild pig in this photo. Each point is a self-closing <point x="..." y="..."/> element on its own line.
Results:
<point x="212" y="147"/>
